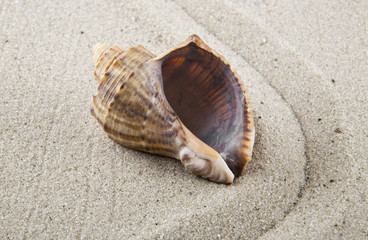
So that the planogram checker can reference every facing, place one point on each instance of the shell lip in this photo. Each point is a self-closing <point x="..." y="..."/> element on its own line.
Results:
<point x="192" y="39"/>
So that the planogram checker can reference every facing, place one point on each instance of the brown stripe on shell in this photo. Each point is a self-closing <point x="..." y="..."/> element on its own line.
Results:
<point x="152" y="144"/>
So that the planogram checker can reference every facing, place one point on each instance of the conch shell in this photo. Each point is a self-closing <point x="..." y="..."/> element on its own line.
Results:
<point x="188" y="104"/>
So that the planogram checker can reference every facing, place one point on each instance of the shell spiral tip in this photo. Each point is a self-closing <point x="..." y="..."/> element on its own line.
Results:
<point x="98" y="49"/>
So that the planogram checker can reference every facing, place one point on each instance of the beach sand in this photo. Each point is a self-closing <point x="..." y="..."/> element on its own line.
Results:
<point x="304" y="65"/>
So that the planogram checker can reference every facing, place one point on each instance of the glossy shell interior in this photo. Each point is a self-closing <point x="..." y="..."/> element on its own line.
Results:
<point x="210" y="100"/>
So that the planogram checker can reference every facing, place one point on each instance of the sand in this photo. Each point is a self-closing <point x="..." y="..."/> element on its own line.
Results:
<point x="304" y="65"/>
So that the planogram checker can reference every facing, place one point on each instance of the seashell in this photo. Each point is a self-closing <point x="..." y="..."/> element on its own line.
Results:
<point x="187" y="103"/>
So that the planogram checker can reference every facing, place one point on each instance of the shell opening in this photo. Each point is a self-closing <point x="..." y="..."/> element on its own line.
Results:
<point x="206" y="95"/>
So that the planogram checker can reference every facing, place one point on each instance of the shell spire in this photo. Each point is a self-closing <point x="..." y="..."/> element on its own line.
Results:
<point x="188" y="104"/>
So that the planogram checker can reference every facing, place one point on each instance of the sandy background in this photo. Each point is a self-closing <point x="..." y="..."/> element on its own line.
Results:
<point x="303" y="63"/>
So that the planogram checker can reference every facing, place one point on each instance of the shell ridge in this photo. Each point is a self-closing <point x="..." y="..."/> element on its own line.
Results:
<point x="105" y="60"/>
<point x="127" y="61"/>
<point x="138" y="113"/>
